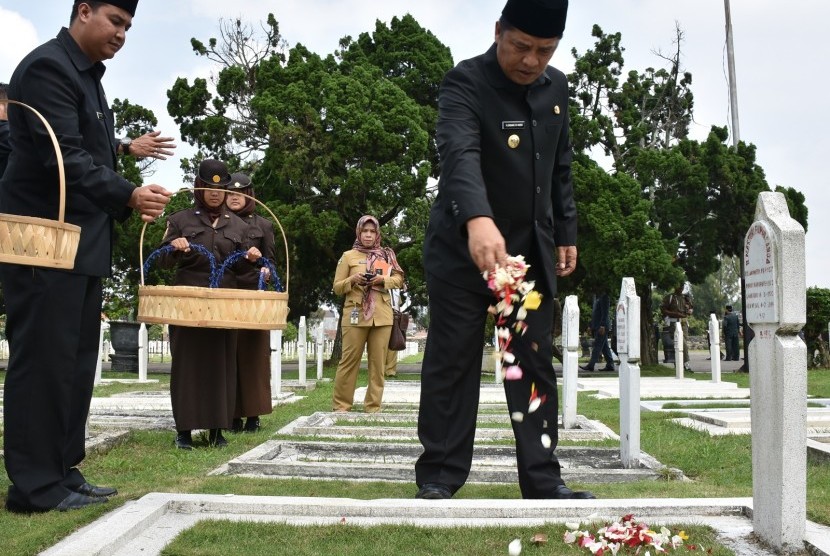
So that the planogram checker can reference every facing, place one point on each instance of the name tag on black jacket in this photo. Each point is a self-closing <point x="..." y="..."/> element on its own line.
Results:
<point x="513" y="124"/>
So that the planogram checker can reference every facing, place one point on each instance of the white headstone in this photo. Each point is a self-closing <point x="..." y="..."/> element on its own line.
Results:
<point x="714" y="347"/>
<point x="276" y="362"/>
<point x="570" y="360"/>
<point x="319" y="348"/>
<point x="628" y="348"/>
<point x="301" y="341"/>
<point x="678" y="351"/>
<point x="143" y="352"/>
<point x="775" y="277"/>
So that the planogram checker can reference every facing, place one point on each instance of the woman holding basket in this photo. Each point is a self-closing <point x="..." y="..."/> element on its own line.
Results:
<point x="203" y="371"/>
<point x="365" y="274"/>
<point x="253" y="347"/>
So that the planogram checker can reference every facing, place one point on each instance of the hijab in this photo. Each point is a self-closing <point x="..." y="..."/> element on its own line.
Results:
<point x="373" y="253"/>
<point x="249" y="206"/>
<point x="199" y="197"/>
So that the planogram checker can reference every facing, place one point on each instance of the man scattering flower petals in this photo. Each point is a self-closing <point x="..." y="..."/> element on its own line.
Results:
<point x="505" y="210"/>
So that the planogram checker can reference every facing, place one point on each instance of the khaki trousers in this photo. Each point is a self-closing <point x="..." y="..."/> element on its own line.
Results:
<point x="376" y="341"/>
<point x="391" y="363"/>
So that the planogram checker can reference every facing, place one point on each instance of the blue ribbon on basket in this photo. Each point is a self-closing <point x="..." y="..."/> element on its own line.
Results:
<point x="231" y="259"/>
<point x="214" y="271"/>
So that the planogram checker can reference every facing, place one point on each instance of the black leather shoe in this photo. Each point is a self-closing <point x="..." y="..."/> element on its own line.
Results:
<point x="216" y="439"/>
<point x="564" y="493"/>
<point x="236" y="426"/>
<point x="76" y="501"/>
<point x="95" y="491"/>
<point x="434" y="491"/>
<point x="609" y="369"/>
<point x="183" y="440"/>
<point x="252" y="424"/>
<point x="586" y="368"/>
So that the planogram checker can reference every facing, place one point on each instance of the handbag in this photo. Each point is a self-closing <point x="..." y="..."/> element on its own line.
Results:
<point x="397" y="339"/>
<point x="400" y="322"/>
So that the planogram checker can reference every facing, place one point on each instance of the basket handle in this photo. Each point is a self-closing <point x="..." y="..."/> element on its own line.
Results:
<point x="234" y="257"/>
<point x="195" y="247"/>
<point x="260" y="203"/>
<point x="58" y="153"/>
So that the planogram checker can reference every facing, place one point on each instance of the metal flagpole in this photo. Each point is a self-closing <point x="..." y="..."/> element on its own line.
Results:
<point x="736" y="138"/>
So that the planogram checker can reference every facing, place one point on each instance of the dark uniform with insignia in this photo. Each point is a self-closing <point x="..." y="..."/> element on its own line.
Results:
<point x="54" y="316"/>
<point x="505" y="154"/>
<point x="203" y="371"/>
<point x="253" y="347"/>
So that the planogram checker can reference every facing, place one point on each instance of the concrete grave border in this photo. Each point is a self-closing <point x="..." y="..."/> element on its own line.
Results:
<point x="143" y="527"/>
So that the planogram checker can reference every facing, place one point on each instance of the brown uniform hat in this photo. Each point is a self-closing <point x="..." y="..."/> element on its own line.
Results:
<point x="540" y="18"/>
<point x="214" y="172"/>
<point x="240" y="181"/>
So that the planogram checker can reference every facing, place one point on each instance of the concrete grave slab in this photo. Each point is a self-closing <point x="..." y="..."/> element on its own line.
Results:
<point x="369" y="461"/>
<point x="666" y="387"/>
<point x="143" y="527"/>
<point x="388" y="426"/>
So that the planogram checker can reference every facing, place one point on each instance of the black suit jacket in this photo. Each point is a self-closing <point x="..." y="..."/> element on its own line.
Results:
<point x="59" y="81"/>
<point x="505" y="153"/>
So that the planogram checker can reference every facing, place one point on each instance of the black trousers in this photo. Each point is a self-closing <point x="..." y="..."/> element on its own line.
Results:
<point x="450" y="383"/>
<point x="53" y="327"/>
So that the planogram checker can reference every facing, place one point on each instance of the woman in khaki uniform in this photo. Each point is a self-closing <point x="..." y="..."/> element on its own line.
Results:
<point x="365" y="274"/>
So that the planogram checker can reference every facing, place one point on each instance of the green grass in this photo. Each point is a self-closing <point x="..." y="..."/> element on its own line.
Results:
<point x="212" y="538"/>
<point x="719" y="466"/>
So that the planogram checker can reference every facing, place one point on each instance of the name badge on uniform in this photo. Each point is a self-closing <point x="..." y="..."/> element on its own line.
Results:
<point x="100" y="115"/>
<point x="513" y="124"/>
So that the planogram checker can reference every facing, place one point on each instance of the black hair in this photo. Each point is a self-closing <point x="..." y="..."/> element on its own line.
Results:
<point x="4" y="90"/>
<point x="92" y="4"/>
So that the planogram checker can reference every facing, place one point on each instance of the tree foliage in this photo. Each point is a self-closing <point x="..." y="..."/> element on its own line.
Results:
<point x="699" y="196"/>
<point x="327" y="139"/>
<point x="816" y="328"/>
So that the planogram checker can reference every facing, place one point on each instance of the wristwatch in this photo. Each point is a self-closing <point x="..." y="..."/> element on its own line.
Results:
<point x="125" y="145"/>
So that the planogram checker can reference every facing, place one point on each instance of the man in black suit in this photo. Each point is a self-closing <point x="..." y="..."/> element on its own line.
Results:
<point x="54" y="316"/>
<point x="505" y="189"/>
<point x="5" y="148"/>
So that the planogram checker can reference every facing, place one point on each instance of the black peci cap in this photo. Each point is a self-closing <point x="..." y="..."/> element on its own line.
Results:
<point x="540" y="18"/>
<point x="126" y="5"/>
<point x="240" y="181"/>
<point x="214" y="173"/>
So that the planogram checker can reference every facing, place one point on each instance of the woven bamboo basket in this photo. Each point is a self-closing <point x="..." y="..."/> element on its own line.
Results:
<point x="32" y="241"/>
<point x="204" y="307"/>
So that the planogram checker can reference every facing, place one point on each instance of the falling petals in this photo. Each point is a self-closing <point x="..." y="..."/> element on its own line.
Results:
<point x="517" y="416"/>
<point x="535" y="399"/>
<point x="539" y="539"/>
<point x="532" y="300"/>
<point x="513" y="372"/>
<point x="534" y="405"/>
<point x="515" y="547"/>
<point x="546" y="441"/>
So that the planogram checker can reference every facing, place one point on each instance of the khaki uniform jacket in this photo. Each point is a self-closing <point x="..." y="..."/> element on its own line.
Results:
<point x="354" y="262"/>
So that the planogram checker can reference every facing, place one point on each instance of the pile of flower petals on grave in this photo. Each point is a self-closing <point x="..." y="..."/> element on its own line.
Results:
<point x="627" y="536"/>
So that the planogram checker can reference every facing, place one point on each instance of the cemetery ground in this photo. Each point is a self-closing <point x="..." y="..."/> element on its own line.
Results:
<point x="144" y="461"/>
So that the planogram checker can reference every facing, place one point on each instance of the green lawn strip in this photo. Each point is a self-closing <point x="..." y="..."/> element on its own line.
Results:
<point x="211" y="538"/>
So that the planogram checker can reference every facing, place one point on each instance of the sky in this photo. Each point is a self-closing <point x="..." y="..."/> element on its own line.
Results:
<point x="780" y="54"/>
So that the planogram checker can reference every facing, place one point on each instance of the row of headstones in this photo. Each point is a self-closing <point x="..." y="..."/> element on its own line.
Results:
<point x="775" y="285"/>
<point x="299" y="349"/>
